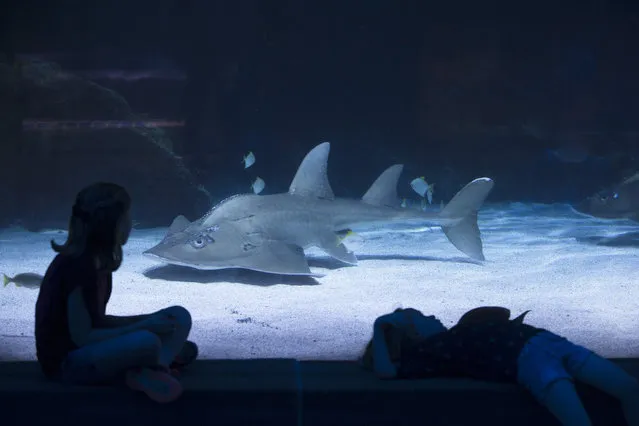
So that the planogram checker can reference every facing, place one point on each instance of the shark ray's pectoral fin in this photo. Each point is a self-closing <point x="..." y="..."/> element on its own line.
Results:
<point x="332" y="245"/>
<point x="383" y="192"/>
<point x="341" y="253"/>
<point x="311" y="179"/>
<point x="277" y="258"/>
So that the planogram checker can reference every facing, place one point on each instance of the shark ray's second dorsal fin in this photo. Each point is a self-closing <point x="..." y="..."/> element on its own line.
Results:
<point x="311" y="179"/>
<point x="383" y="192"/>
<point x="179" y="224"/>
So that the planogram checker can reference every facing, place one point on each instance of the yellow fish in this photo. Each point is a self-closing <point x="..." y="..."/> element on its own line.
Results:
<point x="341" y="236"/>
<point x="27" y="280"/>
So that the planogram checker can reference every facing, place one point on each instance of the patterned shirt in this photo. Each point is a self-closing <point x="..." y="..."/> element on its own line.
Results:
<point x="485" y="350"/>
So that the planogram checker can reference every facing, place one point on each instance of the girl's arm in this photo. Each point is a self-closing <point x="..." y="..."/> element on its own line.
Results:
<point x="81" y="326"/>
<point x="110" y="321"/>
<point x="382" y="364"/>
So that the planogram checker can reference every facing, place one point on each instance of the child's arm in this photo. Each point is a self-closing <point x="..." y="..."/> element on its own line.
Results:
<point x="110" y="321"/>
<point x="81" y="327"/>
<point x="382" y="364"/>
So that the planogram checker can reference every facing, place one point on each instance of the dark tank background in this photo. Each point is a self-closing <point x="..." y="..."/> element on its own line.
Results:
<point x="541" y="98"/>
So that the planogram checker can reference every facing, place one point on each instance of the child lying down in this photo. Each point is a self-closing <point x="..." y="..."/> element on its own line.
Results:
<point x="487" y="345"/>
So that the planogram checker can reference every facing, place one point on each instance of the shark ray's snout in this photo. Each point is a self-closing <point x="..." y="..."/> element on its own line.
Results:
<point x="160" y="251"/>
<point x="152" y="252"/>
<point x="163" y="253"/>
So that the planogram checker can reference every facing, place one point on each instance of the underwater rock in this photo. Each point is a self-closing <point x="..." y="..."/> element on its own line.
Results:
<point x="43" y="170"/>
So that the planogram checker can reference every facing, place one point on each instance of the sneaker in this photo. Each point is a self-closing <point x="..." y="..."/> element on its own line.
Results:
<point x="158" y="385"/>
<point x="187" y="355"/>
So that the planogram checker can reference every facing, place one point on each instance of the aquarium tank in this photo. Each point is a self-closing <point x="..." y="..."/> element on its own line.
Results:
<point x="299" y="168"/>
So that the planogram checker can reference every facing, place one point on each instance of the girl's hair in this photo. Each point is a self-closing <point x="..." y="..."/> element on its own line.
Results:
<point x="93" y="225"/>
<point x="394" y="337"/>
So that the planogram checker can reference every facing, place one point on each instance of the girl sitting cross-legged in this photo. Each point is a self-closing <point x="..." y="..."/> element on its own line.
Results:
<point x="76" y="341"/>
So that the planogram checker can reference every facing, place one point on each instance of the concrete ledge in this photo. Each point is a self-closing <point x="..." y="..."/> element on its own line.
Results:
<point x="285" y="392"/>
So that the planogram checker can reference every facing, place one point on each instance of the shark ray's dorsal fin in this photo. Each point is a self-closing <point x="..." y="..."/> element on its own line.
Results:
<point x="179" y="224"/>
<point x="383" y="192"/>
<point x="311" y="179"/>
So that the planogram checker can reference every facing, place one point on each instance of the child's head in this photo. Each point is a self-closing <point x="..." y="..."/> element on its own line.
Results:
<point x="100" y="224"/>
<point x="418" y="325"/>
<point x="407" y="324"/>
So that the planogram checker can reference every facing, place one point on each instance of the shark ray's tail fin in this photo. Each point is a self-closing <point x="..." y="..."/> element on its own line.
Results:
<point x="464" y="233"/>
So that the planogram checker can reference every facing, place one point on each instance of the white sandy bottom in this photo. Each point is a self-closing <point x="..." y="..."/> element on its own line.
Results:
<point x="538" y="257"/>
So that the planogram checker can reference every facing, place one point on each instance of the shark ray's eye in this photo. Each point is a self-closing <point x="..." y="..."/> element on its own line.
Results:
<point x="198" y="242"/>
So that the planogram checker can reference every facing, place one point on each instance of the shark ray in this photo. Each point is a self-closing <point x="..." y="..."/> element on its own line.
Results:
<point x="269" y="233"/>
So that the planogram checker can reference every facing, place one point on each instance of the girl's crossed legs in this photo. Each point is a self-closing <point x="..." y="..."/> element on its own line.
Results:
<point x="138" y="353"/>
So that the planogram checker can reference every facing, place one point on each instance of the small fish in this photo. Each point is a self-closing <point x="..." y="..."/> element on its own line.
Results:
<point x="341" y="236"/>
<point x="258" y="185"/>
<point x="27" y="280"/>
<point x="422" y="187"/>
<point x="404" y="203"/>
<point x="419" y="185"/>
<point x="249" y="160"/>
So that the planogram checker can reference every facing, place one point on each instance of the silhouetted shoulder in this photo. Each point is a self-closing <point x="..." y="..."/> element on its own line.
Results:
<point x="485" y="314"/>
<point x="69" y="270"/>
